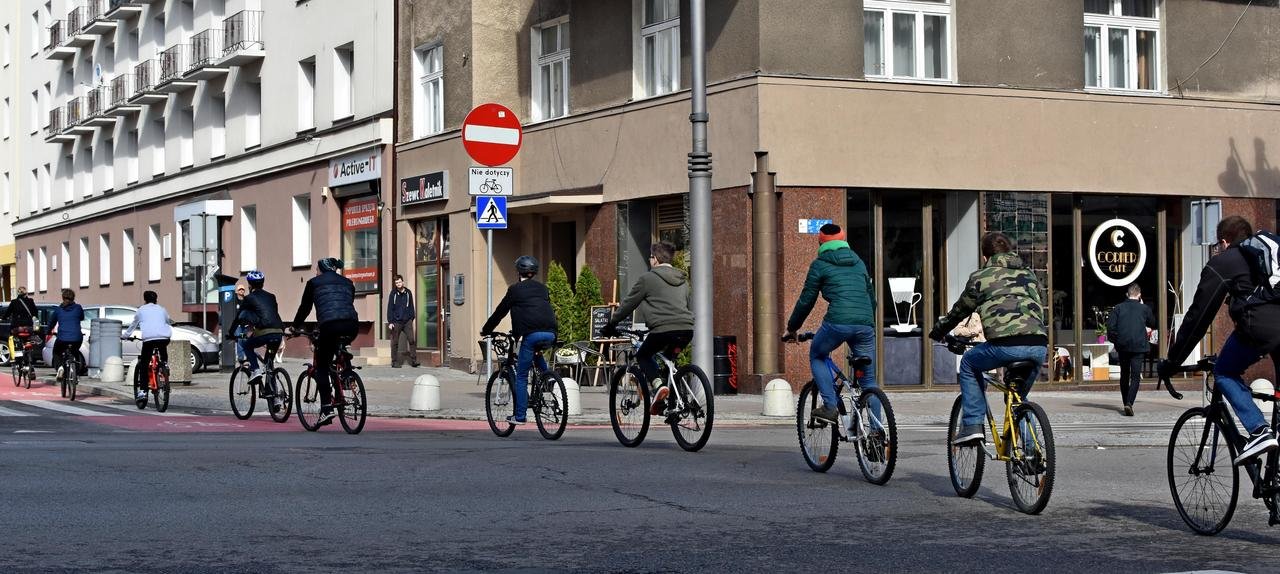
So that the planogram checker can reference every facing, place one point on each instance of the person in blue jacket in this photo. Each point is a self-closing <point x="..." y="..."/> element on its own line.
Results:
<point x="66" y="326"/>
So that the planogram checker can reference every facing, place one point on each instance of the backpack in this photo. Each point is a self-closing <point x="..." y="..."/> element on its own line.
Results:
<point x="1262" y="252"/>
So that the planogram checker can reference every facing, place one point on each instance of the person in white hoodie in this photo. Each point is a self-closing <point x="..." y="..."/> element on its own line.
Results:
<point x="153" y="320"/>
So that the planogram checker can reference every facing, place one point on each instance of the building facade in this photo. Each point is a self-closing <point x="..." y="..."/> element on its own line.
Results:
<point x="182" y="140"/>
<point x="1105" y="136"/>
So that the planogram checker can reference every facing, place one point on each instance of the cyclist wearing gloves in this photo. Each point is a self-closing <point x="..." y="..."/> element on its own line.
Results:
<point x="1006" y="296"/>
<point x="153" y="320"/>
<point x="21" y="315"/>
<point x="66" y="326"/>
<point x="261" y="316"/>
<point x="532" y="319"/>
<point x="333" y="297"/>
<point x="1257" y="331"/>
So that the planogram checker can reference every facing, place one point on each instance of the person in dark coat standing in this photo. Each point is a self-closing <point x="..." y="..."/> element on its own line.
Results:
<point x="1127" y="328"/>
<point x="400" y="316"/>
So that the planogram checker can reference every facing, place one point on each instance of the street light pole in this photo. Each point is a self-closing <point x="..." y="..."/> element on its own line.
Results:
<point x="700" y="193"/>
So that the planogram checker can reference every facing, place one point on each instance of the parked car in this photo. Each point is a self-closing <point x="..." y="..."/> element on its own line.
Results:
<point x="204" y="345"/>
<point x="45" y="313"/>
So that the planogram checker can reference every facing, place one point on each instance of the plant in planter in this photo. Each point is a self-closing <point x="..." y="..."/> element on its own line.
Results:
<point x="588" y="295"/>
<point x="563" y="301"/>
<point x="1100" y="317"/>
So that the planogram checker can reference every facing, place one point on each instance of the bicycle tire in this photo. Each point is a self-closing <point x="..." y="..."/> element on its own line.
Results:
<point x="498" y="402"/>
<point x="162" y="391"/>
<point x="1032" y="464"/>
<point x="15" y="367"/>
<point x="1201" y="512"/>
<point x="355" y="408"/>
<point x="62" y="382"/>
<point x="307" y="401"/>
<point x="877" y="451"/>
<point x="818" y="439"/>
<point x="692" y="424"/>
<point x="30" y="370"/>
<point x="243" y="394"/>
<point x="139" y="398"/>
<point x="552" y="412"/>
<point x="964" y="463"/>
<point x="628" y="402"/>
<point x="283" y="391"/>
<point x="73" y="378"/>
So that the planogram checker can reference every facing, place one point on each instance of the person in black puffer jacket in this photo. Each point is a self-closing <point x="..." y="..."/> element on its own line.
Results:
<point x="333" y="297"/>
<point x="532" y="320"/>
<point x="261" y="315"/>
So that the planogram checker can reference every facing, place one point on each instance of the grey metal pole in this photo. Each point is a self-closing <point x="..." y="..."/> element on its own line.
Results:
<point x="488" y="305"/>
<point x="700" y="194"/>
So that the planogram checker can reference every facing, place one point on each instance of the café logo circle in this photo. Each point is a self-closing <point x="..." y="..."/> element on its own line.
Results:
<point x="1117" y="252"/>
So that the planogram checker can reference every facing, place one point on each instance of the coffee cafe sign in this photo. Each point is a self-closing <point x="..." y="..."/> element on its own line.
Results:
<point x="1117" y="252"/>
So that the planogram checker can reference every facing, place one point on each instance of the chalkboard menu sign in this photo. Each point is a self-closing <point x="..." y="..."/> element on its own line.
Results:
<point x="600" y="315"/>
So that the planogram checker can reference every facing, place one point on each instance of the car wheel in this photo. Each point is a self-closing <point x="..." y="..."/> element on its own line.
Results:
<point x="196" y="362"/>
<point x="4" y="354"/>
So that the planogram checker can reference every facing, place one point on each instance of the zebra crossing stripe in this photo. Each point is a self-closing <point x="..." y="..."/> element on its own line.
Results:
<point x="50" y="405"/>
<point x="136" y="410"/>
<point x="12" y="413"/>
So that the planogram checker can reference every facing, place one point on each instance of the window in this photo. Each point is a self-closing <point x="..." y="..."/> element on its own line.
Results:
<point x="44" y="270"/>
<point x="344" y="87"/>
<point x="306" y="95"/>
<point x="1121" y="48"/>
<point x="65" y="260"/>
<point x="131" y="140"/>
<point x="302" y="231"/>
<point x="253" y="115"/>
<point x="180" y="241"/>
<point x="46" y="103"/>
<point x="127" y="251"/>
<point x="907" y="39"/>
<point x="550" y="48"/>
<point x="67" y="174"/>
<point x="157" y="147"/>
<point x="5" y="199"/>
<point x="217" y="127"/>
<point x="33" y="191"/>
<point x="34" y="114"/>
<point x="46" y="187"/>
<point x="658" y="47"/>
<point x="37" y="32"/>
<point x="108" y="148"/>
<point x="428" y="91"/>
<point x="360" y="242"/>
<point x="84" y="261"/>
<point x="249" y="238"/>
<point x="153" y="253"/>
<point x="31" y="270"/>
<point x="4" y="46"/>
<point x="4" y="118"/>
<point x="187" y="136"/>
<point x="104" y="259"/>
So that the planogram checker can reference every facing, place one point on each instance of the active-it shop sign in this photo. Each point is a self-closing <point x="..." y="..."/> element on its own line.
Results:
<point x="1117" y="252"/>
<point x="424" y="188"/>
<point x="356" y="167"/>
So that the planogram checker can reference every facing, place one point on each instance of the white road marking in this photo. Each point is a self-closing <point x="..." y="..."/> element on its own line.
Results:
<point x="66" y="409"/>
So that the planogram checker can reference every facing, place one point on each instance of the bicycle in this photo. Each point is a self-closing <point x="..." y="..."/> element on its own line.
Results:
<point x="157" y="382"/>
<point x="20" y="363"/>
<point x="70" y="372"/>
<point x="548" y="398"/>
<point x="491" y="187"/>
<point x="874" y="435"/>
<point x="1025" y="447"/>
<point x="689" y="408"/>
<point x="1206" y="436"/>
<point x="274" y="382"/>
<point x="348" y="390"/>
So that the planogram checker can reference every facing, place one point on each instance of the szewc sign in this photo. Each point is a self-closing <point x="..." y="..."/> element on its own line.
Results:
<point x="1117" y="252"/>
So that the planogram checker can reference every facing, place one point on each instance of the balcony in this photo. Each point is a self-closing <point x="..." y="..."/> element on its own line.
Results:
<point x="96" y="19"/>
<point x="96" y="114"/>
<point x="124" y="9"/>
<point x="77" y="113"/>
<point x="118" y="93"/>
<point x="57" y="128"/>
<point x="242" y="38"/>
<point x="206" y="51"/>
<point x="76" y="20"/>
<point x="174" y="63"/>
<point x="56" y="47"/>
<point x="145" y="77"/>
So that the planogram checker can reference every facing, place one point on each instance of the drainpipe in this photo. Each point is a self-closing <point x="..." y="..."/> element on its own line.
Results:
<point x="764" y="265"/>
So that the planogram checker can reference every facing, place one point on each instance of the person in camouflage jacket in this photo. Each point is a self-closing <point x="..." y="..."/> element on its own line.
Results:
<point x="1006" y="295"/>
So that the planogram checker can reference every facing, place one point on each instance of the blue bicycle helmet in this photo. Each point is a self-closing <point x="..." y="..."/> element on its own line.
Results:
<point x="256" y="279"/>
<point x="329" y="264"/>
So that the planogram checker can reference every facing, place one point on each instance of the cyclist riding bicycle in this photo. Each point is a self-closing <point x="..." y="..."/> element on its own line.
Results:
<point x="333" y="297"/>
<point x="662" y="298"/>
<point x="153" y="320"/>
<point x="21" y="315"/>
<point x="66" y="327"/>
<point x="1256" y="334"/>
<point x="533" y="320"/>
<point x="1006" y="296"/>
<point x="260" y="315"/>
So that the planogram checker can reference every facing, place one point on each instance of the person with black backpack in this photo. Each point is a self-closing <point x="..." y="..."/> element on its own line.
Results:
<point x="1239" y="271"/>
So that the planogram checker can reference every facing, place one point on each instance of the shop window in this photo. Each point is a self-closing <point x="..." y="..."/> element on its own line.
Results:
<point x="1121" y="48"/>
<point x="907" y="39"/>
<point x="1118" y="239"/>
<point x="1024" y="218"/>
<point x="427" y="244"/>
<point x="673" y="221"/>
<point x="901" y="286"/>
<point x="360" y="239"/>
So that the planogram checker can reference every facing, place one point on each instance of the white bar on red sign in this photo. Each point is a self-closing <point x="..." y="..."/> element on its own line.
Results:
<point x="491" y="134"/>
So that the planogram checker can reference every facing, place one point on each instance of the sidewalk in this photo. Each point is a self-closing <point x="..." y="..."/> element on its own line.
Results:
<point x="462" y="397"/>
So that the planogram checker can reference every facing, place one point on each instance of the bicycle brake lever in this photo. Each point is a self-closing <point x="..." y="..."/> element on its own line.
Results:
<point x="1172" y="392"/>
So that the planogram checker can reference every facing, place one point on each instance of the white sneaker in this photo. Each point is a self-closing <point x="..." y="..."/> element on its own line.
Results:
<point x="1259" y="442"/>
<point x="59" y="375"/>
<point x="142" y="394"/>
<point x="256" y="376"/>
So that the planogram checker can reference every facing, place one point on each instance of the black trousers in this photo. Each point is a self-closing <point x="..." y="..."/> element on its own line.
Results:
<point x="654" y="343"/>
<point x="144" y="359"/>
<point x="60" y="347"/>
<point x="331" y="336"/>
<point x="1130" y="375"/>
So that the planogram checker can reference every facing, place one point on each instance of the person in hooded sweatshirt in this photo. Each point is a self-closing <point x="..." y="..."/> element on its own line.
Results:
<point x="662" y="296"/>
<point x="840" y="276"/>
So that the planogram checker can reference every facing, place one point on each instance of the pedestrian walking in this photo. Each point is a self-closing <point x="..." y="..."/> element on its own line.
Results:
<point x="1128" y="328"/>
<point x="400" y="318"/>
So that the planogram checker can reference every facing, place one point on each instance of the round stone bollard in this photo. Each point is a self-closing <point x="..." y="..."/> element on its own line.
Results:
<point x="112" y="370"/>
<point x="130" y="369"/>
<point x="1262" y="387"/>
<point x="778" y="399"/>
<point x="426" y="394"/>
<point x="573" y="394"/>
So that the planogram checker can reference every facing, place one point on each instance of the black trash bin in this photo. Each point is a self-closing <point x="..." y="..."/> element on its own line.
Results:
<point x="725" y="378"/>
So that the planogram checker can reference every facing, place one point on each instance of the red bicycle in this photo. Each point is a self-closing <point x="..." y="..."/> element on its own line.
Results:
<point x="156" y="383"/>
<point x="348" y="390"/>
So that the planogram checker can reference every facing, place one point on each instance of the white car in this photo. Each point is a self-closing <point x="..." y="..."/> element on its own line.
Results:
<point x="204" y="345"/>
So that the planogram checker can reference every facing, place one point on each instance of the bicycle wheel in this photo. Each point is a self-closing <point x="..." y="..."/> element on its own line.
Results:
<point x="62" y="382"/>
<point x="877" y="437"/>
<point x="628" y="408"/>
<point x="691" y="424"/>
<point x="139" y="398"/>
<point x="964" y="462"/>
<point x="283" y="394"/>
<point x="817" y="437"/>
<point x="1202" y="477"/>
<point x="244" y="396"/>
<point x="29" y="370"/>
<point x="15" y="367"/>
<point x="354" y="409"/>
<point x="162" y="391"/>
<point x="307" y="401"/>
<point x="1031" y="464"/>
<point x="552" y="413"/>
<point x="73" y="378"/>
<point x="498" y="402"/>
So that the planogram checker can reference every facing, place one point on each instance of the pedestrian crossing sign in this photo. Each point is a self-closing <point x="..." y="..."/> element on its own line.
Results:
<point x="491" y="212"/>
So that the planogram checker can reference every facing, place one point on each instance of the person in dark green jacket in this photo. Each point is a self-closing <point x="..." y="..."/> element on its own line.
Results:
<point x="840" y="276"/>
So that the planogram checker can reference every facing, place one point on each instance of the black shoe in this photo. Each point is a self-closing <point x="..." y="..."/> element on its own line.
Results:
<point x="1128" y="410"/>
<point x="326" y="417"/>
<point x="969" y="435"/>
<point x="826" y="413"/>
<point x="395" y="366"/>
<point x="416" y="365"/>
<point x="1259" y="442"/>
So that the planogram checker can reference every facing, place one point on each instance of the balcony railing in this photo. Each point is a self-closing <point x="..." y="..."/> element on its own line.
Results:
<point x="57" y="122"/>
<point x="242" y="31"/>
<point x="174" y="62"/>
<point x="206" y="48"/>
<point x="145" y="76"/>
<point x="97" y="102"/>
<point x="118" y="7"/>
<point x="94" y="10"/>
<point x="57" y="34"/>
<point x="76" y="20"/>
<point x="121" y="90"/>
<point x="75" y="111"/>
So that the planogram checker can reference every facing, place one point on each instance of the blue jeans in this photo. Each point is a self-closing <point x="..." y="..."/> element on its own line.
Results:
<point x="983" y="358"/>
<point x="523" y="361"/>
<point x="247" y="346"/>
<point x="1233" y="359"/>
<point x="861" y="340"/>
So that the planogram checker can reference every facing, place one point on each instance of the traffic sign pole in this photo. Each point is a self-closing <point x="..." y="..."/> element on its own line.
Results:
<point x="488" y="305"/>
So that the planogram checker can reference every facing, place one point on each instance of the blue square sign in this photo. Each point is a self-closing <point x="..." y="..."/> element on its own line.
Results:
<point x="491" y="212"/>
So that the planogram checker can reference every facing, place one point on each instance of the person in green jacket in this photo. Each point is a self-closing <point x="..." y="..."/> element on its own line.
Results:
<point x="840" y="276"/>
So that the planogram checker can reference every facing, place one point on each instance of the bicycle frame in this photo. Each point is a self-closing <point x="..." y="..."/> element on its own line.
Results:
<point x="1263" y="478"/>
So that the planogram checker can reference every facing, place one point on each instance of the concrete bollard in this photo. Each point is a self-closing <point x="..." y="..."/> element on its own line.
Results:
<point x="130" y="369"/>
<point x="778" y="399"/>
<point x="573" y="394"/>
<point x="1262" y="387"/>
<point x="112" y="370"/>
<point x="426" y="394"/>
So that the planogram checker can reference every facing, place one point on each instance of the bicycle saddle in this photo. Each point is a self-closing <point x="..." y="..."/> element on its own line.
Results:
<point x="544" y="346"/>
<point x="859" y="361"/>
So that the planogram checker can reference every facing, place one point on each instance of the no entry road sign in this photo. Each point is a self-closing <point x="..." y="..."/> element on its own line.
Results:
<point x="491" y="134"/>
